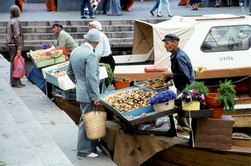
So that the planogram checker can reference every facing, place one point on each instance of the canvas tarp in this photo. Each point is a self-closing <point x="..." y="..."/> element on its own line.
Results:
<point x="148" y="36"/>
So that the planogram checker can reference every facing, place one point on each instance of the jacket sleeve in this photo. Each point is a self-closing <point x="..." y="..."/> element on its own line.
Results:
<point x="92" y="76"/>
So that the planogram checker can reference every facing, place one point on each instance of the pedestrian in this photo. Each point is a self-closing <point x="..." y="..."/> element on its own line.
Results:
<point x="19" y="3"/>
<point x="90" y="9"/>
<point x="83" y="69"/>
<point x="104" y="6"/>
<point x="181" y="69"/>
<point x="195" y="4"/>
<point x="167" y="6"/>
<point x="64" y="39"/>
<point x="103" y="50"/>
<point x="15" y="42"/>
<point x="156" y="5"/>
<point x="115" y="8"/>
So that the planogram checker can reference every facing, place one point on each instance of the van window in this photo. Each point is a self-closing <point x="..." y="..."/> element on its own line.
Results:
<point x="227" y="38"/>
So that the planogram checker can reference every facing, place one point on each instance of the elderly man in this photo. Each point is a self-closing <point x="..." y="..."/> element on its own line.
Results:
<point x="103" y="50"/>
<point x="181" y="66"/>
<point x="64" y="39"/>
<point x="84" y="70"/>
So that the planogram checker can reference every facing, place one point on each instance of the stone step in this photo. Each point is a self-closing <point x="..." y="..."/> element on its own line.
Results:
<point x="31" y="143"/>
<point x="43" y="124"/>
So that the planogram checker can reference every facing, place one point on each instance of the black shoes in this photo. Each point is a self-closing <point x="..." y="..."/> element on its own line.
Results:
<point x="159" y="15"/>
<point x="152" y="13"/>
<point x="18" y="85"/>
<point x="83" y="17"/>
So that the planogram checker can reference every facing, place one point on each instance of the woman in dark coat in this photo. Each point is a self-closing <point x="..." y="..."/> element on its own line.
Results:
<point x="15" y="41"/>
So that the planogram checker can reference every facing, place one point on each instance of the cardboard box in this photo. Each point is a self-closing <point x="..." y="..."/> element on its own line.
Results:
<point x="213" y="133"/>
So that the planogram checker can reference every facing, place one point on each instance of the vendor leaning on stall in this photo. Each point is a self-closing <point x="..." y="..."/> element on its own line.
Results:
<point x="64" y="39"/>
<point x="15" y="42"/>
<point x="84" y="70"/>
<point x="181" y="69"/>
<point x="103" y="49"/>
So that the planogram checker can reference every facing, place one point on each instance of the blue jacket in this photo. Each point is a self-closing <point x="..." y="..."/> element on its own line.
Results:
<point x="182" y="69"/>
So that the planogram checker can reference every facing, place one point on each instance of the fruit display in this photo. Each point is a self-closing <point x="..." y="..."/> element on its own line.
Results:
<point x="38" y="54"/>
<point x="129" y="100"/>
<point x="56" y="53"/>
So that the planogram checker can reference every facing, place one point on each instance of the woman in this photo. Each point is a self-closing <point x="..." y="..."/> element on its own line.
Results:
<point x="115" y="8"/>
<point x="15" y="42"/>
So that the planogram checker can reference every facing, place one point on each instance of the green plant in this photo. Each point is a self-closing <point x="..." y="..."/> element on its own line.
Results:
<point x="109" y="79"/>
<point x="124" y="79"/>
<point x="226" y="95"/>
<point x="198" y="85"/>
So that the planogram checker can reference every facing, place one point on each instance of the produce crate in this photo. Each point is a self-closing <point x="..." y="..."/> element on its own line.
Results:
<point x="45" y="61"/>
<point x="130" y="125"/>
<point x="63" y="82"/>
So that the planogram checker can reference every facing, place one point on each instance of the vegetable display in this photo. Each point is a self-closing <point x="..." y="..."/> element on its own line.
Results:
<point x="129" y="100"/>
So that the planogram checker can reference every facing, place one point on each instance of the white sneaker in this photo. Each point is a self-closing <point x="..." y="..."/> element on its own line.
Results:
<point x="92" y="155"/>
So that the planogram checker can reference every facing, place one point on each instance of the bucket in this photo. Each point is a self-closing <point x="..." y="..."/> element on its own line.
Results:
<point x="211" y="100"/>
<point x="121" y="84"/>
<point x="193" y="106"/>
<point x="164" y="106"/>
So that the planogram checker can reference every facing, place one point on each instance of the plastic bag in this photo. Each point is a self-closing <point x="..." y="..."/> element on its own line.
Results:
<point x="19" y="67"/>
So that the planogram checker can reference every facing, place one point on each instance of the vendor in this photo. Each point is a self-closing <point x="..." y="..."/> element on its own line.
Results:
<point x="64" y="39"/>
<point x="103" y="49"/>
<point x="181" y="69"/>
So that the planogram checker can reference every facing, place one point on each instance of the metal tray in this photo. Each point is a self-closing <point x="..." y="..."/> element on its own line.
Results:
<point x="148" y="109"/>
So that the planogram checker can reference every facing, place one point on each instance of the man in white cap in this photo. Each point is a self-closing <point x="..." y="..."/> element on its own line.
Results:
<point x="84" y="70"/>
<point x="103" y="49"/>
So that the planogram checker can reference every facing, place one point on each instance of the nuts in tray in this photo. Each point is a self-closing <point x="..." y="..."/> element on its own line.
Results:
<point x="129" y="100"/>
<point x="57" y="73"/>
<point x="38" y="54"/>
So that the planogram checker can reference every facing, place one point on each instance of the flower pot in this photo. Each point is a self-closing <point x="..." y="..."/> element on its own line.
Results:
<point x="193" y="106"/>
<point x="164" y="106"/>
<point x="211" y="100"/>
<point x="217" y="112"/>
<point x="119" y="84"/>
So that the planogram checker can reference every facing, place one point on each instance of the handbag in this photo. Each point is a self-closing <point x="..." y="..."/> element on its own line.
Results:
<point x="95" y="124"/>
<point x="19" y="67"/>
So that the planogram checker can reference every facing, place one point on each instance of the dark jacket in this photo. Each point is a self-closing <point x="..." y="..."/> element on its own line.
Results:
<point x="182" y="69"/>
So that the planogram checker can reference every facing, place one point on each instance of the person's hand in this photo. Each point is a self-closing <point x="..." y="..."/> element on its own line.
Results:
<point x="96" y="102"/>
<point x="168" y="74"/>
<point x="18" y="53"/>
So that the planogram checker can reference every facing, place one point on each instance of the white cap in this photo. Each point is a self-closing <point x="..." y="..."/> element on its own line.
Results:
<point x="96" y="24"/>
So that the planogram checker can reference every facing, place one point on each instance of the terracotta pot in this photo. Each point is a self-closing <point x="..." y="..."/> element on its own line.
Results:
<point x="217" y="112"/>
<point x="211" y="100"/>
<point x="121" y="84"/>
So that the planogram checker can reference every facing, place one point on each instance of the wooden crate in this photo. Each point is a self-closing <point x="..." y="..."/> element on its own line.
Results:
<point x="213" y="133"/>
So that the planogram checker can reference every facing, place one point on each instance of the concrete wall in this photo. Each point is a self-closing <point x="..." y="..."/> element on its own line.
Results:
<point x="5" y="5"/>
<point x="66" y="5"/>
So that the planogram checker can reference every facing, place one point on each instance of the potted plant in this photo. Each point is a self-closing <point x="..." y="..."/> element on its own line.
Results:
<point x="163" y="100"/>
<point x="121" y="83"/>
<point x="198" y="85"/>
<point x="191" y="100"/>
<point x="224" y="99"/>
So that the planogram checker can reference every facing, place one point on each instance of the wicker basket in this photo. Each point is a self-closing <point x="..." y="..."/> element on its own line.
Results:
<point x="95" y="124"/>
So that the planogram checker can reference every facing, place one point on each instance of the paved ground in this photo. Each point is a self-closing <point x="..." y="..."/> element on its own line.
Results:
<point x="37" y="12"/>
<point x="140" y="10"/>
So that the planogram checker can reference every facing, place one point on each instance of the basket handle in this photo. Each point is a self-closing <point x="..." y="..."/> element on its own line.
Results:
<point x="95" y="109"/>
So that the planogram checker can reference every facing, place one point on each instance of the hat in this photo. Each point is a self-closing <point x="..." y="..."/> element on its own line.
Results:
<point x="96" y="24"/>
<point x="56" y="23"/>
<point x="92" y="36"/>
<point x="171" y="37"/>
